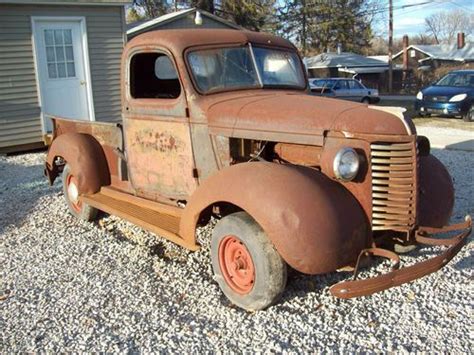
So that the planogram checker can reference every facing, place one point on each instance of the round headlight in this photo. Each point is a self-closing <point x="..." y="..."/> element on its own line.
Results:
<point x="346" y="164"/>
<point x="419" y="96"/>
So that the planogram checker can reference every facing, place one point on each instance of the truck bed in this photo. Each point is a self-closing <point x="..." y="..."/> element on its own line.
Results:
<point x="110" y="137"/>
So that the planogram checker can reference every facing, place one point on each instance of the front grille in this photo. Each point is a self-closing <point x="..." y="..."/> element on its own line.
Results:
<point x="394" y="191"/>
<point x="436" y="98"/>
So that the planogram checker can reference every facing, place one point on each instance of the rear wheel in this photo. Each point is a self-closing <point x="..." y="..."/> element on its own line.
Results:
<point x="247" y="267"/>
<point x="77" y="208"/>
<point x="469" y="115"/>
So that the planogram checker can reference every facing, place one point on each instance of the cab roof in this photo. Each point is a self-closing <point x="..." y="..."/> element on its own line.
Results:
<point x="180" y="39"/>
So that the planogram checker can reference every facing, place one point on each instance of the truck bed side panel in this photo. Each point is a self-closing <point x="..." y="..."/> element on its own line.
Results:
<point x="109" y="135"/>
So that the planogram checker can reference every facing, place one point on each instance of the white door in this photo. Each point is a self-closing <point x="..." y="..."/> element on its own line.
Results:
<point x="61" y="68"/>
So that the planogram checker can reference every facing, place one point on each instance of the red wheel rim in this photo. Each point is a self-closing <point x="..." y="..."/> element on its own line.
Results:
<point x="73" y="193"/>
<point x="236" y="265"/>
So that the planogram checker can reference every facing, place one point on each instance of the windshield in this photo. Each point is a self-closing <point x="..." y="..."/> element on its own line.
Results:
<point x="245" y="67"/>
<point x="457" y="79"/>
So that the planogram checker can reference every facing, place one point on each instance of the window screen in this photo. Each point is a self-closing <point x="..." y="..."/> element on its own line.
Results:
<point x="153" y="75"/>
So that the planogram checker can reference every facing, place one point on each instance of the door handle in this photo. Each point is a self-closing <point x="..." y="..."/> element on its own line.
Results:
<point x="83" y="82"/>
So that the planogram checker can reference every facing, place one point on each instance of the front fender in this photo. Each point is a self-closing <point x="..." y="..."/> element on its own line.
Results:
<point x="85" y="157"/>
<point x="315" y="224"/>
<point x="436" y="193"/>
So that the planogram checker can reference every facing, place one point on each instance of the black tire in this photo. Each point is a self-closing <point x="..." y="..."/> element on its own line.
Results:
<point x="270" y="270"/>
<point x="366" y="101"/>
<point x="469" y="115"/>
<point x="77" y="208"/>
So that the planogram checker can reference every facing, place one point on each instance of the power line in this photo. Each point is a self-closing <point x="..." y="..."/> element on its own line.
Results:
<point x="461" y="6"/>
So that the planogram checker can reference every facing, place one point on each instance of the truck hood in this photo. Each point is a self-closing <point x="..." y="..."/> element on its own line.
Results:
<point x="300" y="114"/>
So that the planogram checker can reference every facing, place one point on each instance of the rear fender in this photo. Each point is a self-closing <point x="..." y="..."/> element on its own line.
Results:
<point x="315" y="224"/>
<point x="85" y="157"/>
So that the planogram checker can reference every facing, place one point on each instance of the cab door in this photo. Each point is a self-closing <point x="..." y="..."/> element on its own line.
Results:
<point x="156" y="127"/>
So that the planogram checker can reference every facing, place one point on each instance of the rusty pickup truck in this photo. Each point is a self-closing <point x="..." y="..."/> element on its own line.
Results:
<point x="221" y="123"/>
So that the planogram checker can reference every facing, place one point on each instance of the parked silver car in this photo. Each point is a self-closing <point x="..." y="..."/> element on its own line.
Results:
<point x="343" y="88"/>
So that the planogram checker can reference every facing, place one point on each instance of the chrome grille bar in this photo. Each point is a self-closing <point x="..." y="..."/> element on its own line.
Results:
<point x="394" y="191"/>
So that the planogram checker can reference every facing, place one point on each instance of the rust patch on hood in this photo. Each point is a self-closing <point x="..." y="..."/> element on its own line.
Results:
<point x="297" y="113"/>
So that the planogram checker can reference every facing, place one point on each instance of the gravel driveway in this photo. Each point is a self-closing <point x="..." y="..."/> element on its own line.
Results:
<point x="67" y="285"/>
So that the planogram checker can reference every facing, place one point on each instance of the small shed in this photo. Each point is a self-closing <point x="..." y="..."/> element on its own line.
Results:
<point x="188" y="18"/>
<point x="57" y="57"/>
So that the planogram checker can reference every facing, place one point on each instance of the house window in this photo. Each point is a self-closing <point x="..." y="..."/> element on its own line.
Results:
<point x="412" y="53"/>
<point x="153" y="75"/>
<point x="59" y="53"/>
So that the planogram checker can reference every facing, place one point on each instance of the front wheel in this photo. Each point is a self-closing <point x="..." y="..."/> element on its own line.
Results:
<point x="366" y="100"/>
<point x="469" y="115"/>
<point x="246" y="265"/>
<point x="77" y="208"/>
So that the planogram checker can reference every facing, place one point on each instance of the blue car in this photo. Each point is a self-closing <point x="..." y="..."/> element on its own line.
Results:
<point x="453" y="95"/>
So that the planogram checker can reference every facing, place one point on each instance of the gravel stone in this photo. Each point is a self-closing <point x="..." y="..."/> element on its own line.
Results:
<point x="68" y="285"/>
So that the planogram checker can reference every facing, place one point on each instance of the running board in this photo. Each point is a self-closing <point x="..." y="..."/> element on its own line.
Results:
<point x="153" y="216"/>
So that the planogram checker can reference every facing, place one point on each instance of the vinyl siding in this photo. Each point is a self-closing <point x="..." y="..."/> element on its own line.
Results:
<point x="20" y="110"/>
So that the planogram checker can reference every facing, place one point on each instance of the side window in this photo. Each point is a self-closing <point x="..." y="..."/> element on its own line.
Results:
<point x="341" y="85"/>
<point x="355" y="85"/>
<point x="153" y="75"/>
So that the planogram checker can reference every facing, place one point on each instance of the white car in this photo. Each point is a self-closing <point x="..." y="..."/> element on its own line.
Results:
<point x="343" y="88"/>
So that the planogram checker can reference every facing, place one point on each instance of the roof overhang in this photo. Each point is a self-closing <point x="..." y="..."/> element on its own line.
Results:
<point x="69" y="2"/>
<point x="174" y="16"/>
<point x="339" y="67"/>
<point x="410" y="47"/>
<point x="365" y="70"/>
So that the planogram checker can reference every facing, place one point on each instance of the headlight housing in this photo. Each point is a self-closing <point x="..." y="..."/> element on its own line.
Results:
<point x="346" y="164"/>
<point x="419" y="96"/>
<point x="457" y="98"/>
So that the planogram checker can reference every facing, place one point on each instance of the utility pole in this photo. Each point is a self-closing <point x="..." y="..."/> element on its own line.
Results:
<point x="303" y="34"/>
<point x="390" y="46"/>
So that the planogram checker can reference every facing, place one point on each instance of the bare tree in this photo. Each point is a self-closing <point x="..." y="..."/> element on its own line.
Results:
<point x="444" y="25"/>
<point x="422" y="38"/>
<point x="151" y="8"/>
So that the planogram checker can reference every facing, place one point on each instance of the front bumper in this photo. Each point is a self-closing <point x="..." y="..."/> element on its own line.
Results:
<point x="423" y="235"/>
<point x="440" y="108"/>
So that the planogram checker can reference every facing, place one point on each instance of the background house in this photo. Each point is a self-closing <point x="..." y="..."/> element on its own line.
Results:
<point x="427" y="56"/>
<point x="188" y="18"/>
<point x="60" y="58"/>
<point x="370" y="71"/>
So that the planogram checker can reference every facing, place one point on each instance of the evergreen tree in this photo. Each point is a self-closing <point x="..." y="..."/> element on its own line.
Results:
<point x="256" y="15"/>
<point x="152" y="8"/>
<point x="206" y="5"/>
<point x="320" y="25"/>
<point x="133" y="15"/>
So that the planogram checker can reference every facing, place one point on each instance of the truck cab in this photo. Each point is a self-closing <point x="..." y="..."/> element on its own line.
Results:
<point x="221" y="123"/>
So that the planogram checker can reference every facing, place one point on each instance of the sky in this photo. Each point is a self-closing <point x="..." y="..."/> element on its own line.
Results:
<point x="411" y="20"/>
